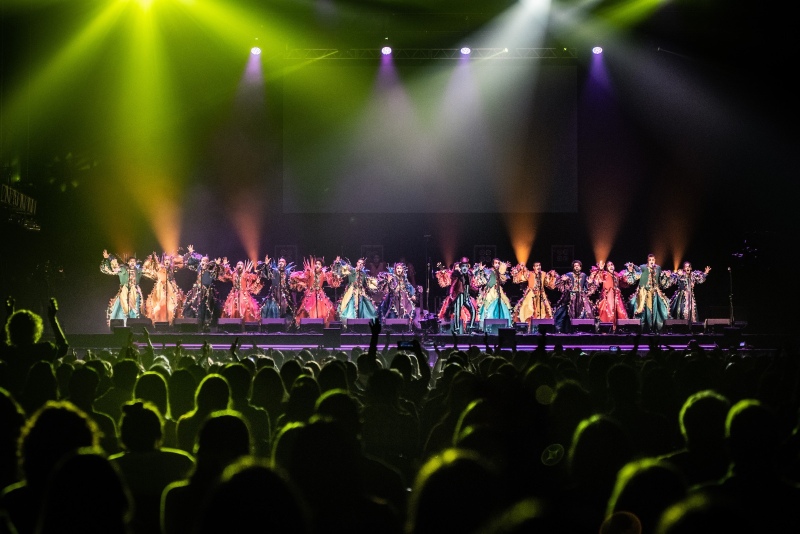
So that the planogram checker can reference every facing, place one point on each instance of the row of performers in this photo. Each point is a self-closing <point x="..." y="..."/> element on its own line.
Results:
<point x="389" y="294"/>
<point x="293" y="293"/>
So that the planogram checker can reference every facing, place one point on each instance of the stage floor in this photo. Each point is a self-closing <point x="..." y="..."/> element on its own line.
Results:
<point x="339" y="339"/>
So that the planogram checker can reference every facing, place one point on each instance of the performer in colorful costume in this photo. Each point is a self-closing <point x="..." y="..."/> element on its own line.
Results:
<point x="610" y="306"/>
<point x="356" y="301"/>
<point x="459" y="306"/>
<point x="649" y="303"/>
<point x="311" y="281"/>
<point x="574" y="302"/>
<point x="682" y="304"/>
<point x="127" y="303"/>
<point x="240" y="303"/>
<point x="493" y="302"/>
<point x="165" y="301"/>
<point x="534" y="303"/>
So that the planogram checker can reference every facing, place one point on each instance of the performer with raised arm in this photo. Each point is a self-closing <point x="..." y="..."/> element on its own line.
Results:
<point x="459" y="305"/>
<point x="610" y="306"/>
<point x="280" y="302"/>
<point x="534" y="303"/>
<point x="649" y="303"/>
<point x="311" y="281"/>
<point x="493" y="302"/>
<point x="240" y="303"/>
<point x="201" y="300"/>
<point x="356" y="301"/>
<point x="165" y="301"/>
<point x="400" y="295"/>
<point x="574" y="302"/>
<point x="682" y="304"/>
<point x="127" y="303"/>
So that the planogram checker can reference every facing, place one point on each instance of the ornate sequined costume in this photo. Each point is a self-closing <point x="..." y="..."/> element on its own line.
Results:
<point x="310" y="281"/>
<point x="356" y="301"/>
<point x="534" y="303"/>
<point x="127" y="303"/>
<point x="240" y="303"/>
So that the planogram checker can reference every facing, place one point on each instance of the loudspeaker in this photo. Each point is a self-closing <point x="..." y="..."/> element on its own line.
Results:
<point x="332" y="337"/>
<point x="116" y="323"/>
<point x="309" y="325"/>
<point x="138" y="325"/>
<point x="121" y="333"/>
<point x="397" y="326"/>
<point x="506" y="338"/>
<point x="605" y="328"/>
<point x="547" y="326"/>
<point x="629" y="326"/>
<point x="229" y="325"/>
<point x="582" y="325"/>
<point x="676" y="326"/>
<point x="522" y="328"/>
<point x="430" y="325"/>
<point x="161" y="326"/>
<point x="714" y="326"/>
<point x="491" y="326"/>
<point x="186" y="325"/>
<point x="252" y="326"/>
<point x="272" y="325"/>
<point x="358" y="326"/>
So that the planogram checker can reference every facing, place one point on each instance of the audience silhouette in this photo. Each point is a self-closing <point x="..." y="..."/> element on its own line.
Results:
<point x="142" y="440"/>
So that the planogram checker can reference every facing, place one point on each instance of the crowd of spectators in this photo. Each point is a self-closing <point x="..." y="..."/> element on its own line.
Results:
<point x="383" y="440"/>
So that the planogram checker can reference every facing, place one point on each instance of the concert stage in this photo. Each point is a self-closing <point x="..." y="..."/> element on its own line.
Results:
<point x="340" y="338"/>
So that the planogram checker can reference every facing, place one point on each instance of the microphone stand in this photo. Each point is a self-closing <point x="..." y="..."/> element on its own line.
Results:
<point x="427" y="276"/>
<point x="730" y="295"/>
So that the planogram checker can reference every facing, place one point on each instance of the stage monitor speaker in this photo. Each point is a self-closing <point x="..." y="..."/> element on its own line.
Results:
<point x="677" y="326"/>
<point x="430" y="325"/>
<point x="522" y="328"/>
<point x="229" y="325"/>
<point x="506" y="338"/>
<point x="312" y="325"/>
<point x="189" y="324"/>
<point x="397" y="326"/>
<point x="732" y="336"/>
<point x="332" y="337"/>
<point x="138" y="325"/>
<point x="121" y="333"/>
<point x="716" y="326"/>
<point x="252" y="326"/>
<point x="546" y="326"/>
<point x="272" y="325"/>
<point x="605" y="328"/>
<point x="629" y="326"/>
<point x="116" y="323"/>
<point x="358" y="326"/>
<point x="161" y="326"/>
<point x="583" y="325"/>
<point x="491" y="326"/>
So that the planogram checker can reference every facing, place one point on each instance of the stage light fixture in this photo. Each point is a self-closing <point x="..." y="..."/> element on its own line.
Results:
<point x="465" y="50"/>
<point x="386" y="50"/>
<point x="255" y="51"/>
<point x="597" y="50"/>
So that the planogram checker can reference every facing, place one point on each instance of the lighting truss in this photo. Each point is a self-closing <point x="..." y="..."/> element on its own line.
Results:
<point x="431" y="53"/>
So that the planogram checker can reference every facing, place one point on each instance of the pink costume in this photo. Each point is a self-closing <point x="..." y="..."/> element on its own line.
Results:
<point x="240" y="303"/>
<point x="610" y="306"/>
<point x="315" y="304"/>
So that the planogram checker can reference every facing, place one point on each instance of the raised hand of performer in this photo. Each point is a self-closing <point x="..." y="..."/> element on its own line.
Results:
<point x="707" y="269"/>
<point x="190" y="249"/>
